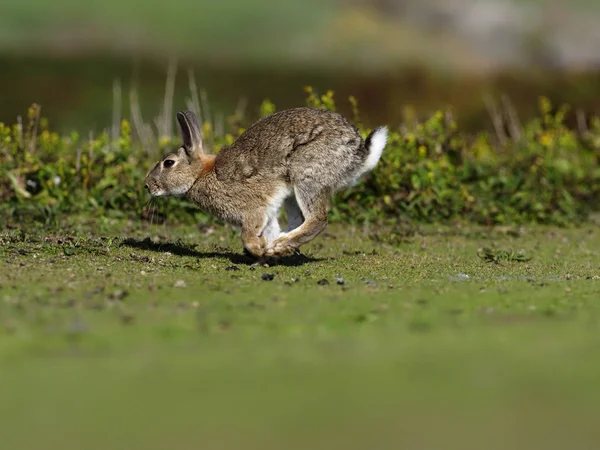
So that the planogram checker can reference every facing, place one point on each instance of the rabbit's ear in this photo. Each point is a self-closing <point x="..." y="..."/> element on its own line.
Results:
<point x="190" y="132"/>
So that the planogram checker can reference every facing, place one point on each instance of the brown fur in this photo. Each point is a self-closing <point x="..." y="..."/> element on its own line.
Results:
<point x="208" y="164"/>
<point x="297" y="157"/>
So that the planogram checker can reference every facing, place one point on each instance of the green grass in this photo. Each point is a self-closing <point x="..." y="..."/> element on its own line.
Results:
<point x="123" y="335"/>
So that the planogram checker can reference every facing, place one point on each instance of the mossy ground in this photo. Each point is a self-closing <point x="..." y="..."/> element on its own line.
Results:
<point x="126" y="335"/>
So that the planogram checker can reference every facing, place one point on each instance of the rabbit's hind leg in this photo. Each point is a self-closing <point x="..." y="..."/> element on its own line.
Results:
<point x="313" y="206"/>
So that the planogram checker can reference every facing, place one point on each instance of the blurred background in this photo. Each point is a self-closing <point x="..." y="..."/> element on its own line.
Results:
<point x="75" y="58"/>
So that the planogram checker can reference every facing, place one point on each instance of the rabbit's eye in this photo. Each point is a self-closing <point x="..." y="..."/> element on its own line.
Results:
<point x="168" y="163"/>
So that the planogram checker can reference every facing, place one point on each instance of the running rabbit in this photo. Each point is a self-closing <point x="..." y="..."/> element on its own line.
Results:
<point x="298" y="158"/>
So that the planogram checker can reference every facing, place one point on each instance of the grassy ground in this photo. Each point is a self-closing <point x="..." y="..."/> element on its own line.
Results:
<point x="122" y="335"/>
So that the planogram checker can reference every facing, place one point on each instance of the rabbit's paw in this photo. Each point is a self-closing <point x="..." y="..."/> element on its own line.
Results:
<point x="255" y="249"/>
<point x="280" y="247"/>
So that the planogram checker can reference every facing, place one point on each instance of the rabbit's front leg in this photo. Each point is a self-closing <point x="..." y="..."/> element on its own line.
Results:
<point x="254" y="241"/>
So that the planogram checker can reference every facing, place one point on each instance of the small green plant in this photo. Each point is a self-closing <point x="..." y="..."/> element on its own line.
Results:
<point x="496" y="256"/>
<point x="429" y="172"/>
<point x="266" y="108"/>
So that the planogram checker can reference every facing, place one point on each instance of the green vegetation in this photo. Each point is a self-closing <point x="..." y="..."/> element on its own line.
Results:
<point x="431" y="171"/>
<point x="414" y="320"/>
<point x="121" y="334"/>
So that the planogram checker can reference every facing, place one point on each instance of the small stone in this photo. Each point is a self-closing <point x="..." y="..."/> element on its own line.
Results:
<point x="267" y="276"/>
<point x="127" y="319"/>
<point x="118" y="295"/>
<point x="323" y="282"/>
<point x="340" y="281"/>
<point x="459" y="277"/>
<point x="230" y="268"/>
<point x="569" y="276"/>
<point x="180" y="284"/>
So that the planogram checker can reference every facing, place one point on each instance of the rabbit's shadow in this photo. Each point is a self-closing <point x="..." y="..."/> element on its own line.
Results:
<point x="235" y="258"/>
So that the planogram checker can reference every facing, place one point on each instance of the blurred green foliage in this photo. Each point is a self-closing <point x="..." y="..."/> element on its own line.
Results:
<point x="430" y="172"/>
<point x="225" y="30"/>
<point x="434" y="172"/>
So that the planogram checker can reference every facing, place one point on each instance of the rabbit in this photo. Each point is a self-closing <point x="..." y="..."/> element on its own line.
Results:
<point x="296" y="158"/>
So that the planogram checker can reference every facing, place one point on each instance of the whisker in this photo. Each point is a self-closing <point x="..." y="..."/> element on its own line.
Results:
<point x="149" y="210"/>
<point x="145" y="209"/>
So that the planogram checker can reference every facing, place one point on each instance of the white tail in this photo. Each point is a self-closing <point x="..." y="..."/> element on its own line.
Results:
<point x="375" y="144"/>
